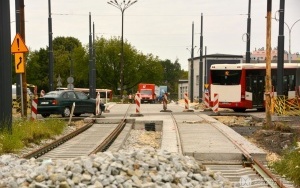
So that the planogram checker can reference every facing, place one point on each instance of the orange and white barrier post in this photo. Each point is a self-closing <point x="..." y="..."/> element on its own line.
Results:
<point x="34" y="109"/>
<point x="215" y="107"/>
<point x="98" y="100"/>
<point x="137" y="99"/>
<point x="165" y="101"/>
<point x="186" y="101"/>
<point x="138" y="102"/>
<point x="206" y="99"/>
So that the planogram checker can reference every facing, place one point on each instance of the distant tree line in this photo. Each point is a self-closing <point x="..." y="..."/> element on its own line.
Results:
<point x="70" y="56"/>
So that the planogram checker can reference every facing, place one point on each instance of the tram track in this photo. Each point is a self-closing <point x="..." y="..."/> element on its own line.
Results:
<point x="250" y="173"/>
<point x="249" y="170"/>
<point x="95" y="136"/>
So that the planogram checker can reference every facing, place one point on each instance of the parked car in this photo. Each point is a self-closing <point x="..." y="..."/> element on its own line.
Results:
<point x="61" y="102"/>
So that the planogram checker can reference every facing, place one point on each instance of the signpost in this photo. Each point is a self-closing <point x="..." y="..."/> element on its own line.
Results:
<point x="18" y="48"/>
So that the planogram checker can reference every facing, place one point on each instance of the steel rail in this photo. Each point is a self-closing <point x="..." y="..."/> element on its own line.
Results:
<point x="107" y="141"/>
<point x="41" y="151"/>
<point x="256" y="164"/>
<point x="48" y="147"/>
<point x="178" y="138"/>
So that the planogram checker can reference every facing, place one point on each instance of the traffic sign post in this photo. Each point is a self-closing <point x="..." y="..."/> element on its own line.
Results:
<point x="18" y="48"/>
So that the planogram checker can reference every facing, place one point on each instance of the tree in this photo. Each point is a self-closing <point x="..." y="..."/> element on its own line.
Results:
<point x="37" y="69"/>
<point x="137" y="67"/>
<point x="65" y="49"/>
<point x="172" y="74"/>
<point x="69" y="53"/>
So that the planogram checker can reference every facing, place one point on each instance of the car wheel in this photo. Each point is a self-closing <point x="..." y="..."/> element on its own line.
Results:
<point x="77" y="115"/>
<point x="66" y="112"/>
<point x="45" y="115"/>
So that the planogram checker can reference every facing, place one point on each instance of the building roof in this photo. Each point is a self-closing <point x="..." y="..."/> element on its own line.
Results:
<point x="218" y="56"/>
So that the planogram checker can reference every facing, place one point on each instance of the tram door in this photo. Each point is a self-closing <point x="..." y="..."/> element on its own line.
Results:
<point x="258" y="88"/>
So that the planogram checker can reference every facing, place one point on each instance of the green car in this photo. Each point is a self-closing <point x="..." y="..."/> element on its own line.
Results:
<point x="61" y="102"/>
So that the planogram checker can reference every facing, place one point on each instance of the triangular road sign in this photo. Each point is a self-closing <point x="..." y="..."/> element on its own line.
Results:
<point x="18" y="45"/>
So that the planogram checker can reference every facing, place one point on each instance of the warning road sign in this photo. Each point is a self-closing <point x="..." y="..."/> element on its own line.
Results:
<point x="18" y="45"/>
<point x="19" y="63"/>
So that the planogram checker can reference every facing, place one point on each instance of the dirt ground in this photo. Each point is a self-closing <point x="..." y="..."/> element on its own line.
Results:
<point x="274" y="141"/>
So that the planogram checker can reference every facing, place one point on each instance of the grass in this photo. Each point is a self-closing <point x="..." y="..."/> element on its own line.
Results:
<point x="289" y="166"/>
<point x="25" y="132"/>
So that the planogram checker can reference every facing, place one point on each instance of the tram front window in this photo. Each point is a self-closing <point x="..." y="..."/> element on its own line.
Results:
<point x="226" y="77"/>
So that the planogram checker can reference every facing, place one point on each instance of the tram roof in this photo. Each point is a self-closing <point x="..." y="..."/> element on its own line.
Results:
<point x="240" y="66"/>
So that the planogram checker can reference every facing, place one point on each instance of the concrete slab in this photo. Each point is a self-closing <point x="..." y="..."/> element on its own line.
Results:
<point x="240" y="141"/>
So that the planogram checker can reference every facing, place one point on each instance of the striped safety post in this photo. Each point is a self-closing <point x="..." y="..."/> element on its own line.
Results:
<point x="215" y="107"/>
<point x="186" y="101"/>
<point x="165" y="101"/>
<point x="34" y="109"/>
<point x="98" y="103"/>
<point x="138" y="102"/>
<point x="206" y="99"/>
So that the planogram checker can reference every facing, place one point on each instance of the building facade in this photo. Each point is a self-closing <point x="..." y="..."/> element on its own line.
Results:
<point x="259" y="55"/>
<point x="183" y="87"/>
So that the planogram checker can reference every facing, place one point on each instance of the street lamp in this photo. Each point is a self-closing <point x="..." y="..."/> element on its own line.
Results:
<point x="290" y="31"/>
<point x="122" y="6"/>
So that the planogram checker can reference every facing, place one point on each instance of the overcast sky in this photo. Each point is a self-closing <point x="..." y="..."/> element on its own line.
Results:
<point x="161" y="27"/>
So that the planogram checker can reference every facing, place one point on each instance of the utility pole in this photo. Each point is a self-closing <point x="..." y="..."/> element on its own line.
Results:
<point x="280" y="60"/>
<point x="19" y="76"/>
<point x="248" y="58"/>
<point x="192" y="68"/>
<point x="20" y="28"/>
<point x="51" y="61"/>
<point x="268" y="66"/>
<point x="5" y="70"/>
<point x="94" y="63"/>
<point x="201" y="66"/>
<point x="91" y="67"/>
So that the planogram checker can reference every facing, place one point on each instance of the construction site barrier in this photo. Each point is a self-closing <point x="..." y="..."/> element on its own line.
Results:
<point x="165" y="103"/>
<point x="138" y="103"/>
<point x="206" y="99"/>
<point x="215" y="107"/>
<point x="283" y="106"/>
<point x="137" y="99"/>
<point x="98" y="100"/>
<point x="186" y="101"/>
<point x="34" y="109"/>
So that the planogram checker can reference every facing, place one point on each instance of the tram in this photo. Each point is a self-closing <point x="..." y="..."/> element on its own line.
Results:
<point x="242" y="86"/>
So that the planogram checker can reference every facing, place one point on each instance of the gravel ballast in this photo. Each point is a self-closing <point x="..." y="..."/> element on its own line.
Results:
<point x="127" y="168"/>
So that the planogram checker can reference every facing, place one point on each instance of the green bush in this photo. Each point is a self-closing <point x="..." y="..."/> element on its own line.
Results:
<point x="25" y="132"/>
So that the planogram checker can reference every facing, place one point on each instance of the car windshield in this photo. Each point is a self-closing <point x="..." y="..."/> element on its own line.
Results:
<point x="146" y="92"/>
<point x="52" y="94"/>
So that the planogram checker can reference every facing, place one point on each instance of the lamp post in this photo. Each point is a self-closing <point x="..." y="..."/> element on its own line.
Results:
<point x="122" y="6"/>
<point x="290" y="31"/>
<point x="290" y="36"/>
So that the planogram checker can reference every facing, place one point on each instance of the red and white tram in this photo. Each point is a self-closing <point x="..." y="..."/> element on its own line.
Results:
<point x="242" y="86"/>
